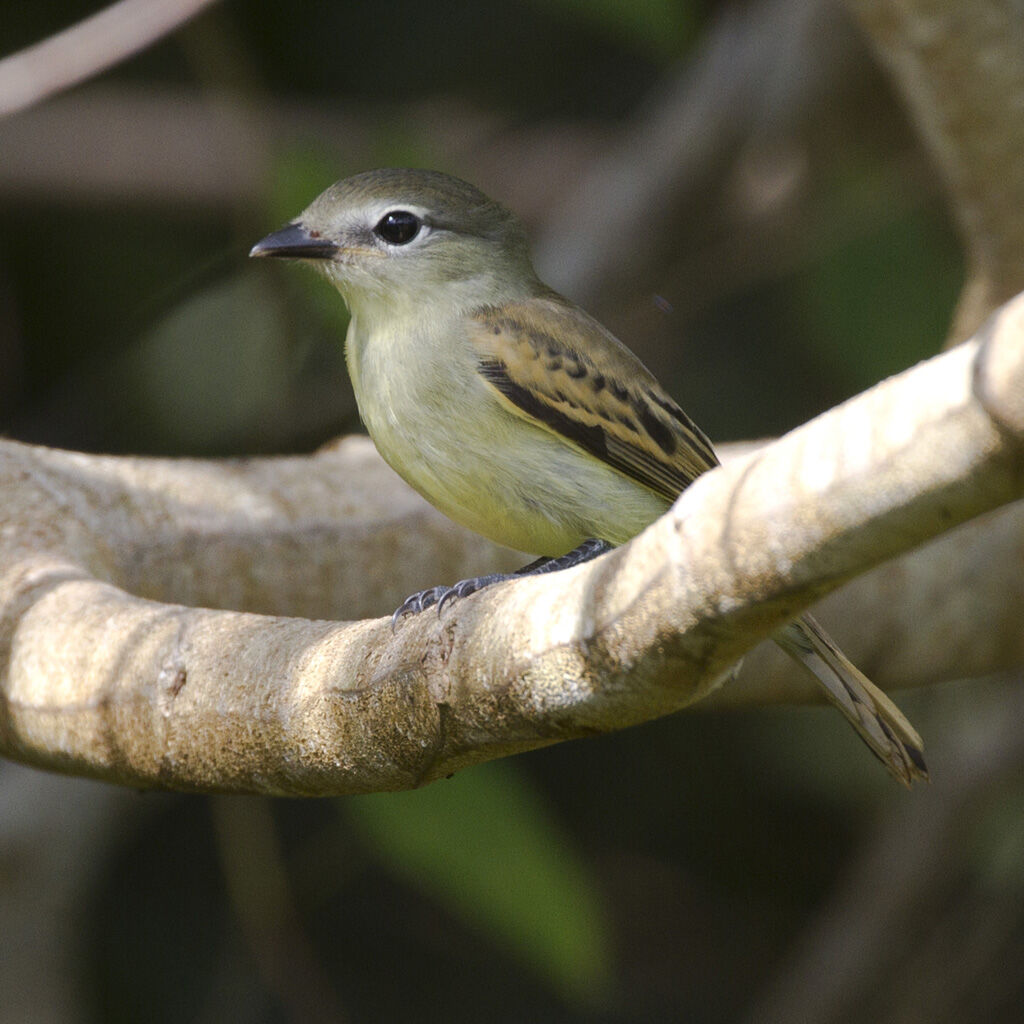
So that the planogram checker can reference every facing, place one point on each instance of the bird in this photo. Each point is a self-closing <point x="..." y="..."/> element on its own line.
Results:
<point x="511" y="409"/>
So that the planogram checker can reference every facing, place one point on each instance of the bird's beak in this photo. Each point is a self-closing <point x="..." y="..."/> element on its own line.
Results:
<point x="295" y="242"/>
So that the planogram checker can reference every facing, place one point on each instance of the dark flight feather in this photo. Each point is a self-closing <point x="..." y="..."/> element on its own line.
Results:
<point x="561" y="369"/>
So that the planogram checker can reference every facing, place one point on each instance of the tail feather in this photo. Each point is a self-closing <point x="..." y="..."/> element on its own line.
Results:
<point x="881" y="724"/>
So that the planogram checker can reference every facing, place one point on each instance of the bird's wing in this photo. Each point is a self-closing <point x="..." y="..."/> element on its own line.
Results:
<point x="560" y="369"/>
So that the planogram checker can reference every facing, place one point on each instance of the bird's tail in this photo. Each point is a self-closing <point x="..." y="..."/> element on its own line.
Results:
<point x="881" y="724"/>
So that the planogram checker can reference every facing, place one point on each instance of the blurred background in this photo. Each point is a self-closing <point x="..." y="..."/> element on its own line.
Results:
<point x="734" y="190"/>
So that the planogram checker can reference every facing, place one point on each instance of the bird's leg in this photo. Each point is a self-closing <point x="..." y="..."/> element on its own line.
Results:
<point x="587" y="551"/>
<point x="423" y="599"/>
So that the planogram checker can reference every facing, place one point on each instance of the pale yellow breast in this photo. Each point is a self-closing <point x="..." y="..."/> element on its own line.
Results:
<point x="440" y="426"/>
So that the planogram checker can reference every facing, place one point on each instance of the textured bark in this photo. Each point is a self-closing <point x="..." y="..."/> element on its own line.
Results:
<point x="99" y="678"/>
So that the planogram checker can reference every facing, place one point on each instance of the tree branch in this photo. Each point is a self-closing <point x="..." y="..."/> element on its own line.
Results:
<point x="98" y="681"/>
<point x="85" y="49"/>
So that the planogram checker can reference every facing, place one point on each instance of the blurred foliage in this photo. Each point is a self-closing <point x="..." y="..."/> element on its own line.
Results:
<point x="998" y="845"/>
<point x="659" y="874"/>
<point x="876" y="303"/>
<point x="224" y="392"/>
<point x="663" y="26"/>
<point x="528" y="57"/>
<point x="484" y="845"/>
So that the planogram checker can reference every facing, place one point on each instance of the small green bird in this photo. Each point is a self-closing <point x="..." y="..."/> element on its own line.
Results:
<point x="512" y="410"/>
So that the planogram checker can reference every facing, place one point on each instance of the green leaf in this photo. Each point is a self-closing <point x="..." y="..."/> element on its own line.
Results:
<point x="485" y="846"/>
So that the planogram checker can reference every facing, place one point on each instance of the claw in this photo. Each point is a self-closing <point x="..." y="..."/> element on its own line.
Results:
<point x="416" y="603"/>
<point x="449" y="595"/>
<point x="466" y="587"/>
<point x="443" y="596"/>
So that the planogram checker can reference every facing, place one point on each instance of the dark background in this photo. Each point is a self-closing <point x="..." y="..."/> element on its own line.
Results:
<point x="796" y="250"/>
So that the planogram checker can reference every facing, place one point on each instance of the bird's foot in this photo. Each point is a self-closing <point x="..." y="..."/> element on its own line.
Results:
<point x="441" y="596"/>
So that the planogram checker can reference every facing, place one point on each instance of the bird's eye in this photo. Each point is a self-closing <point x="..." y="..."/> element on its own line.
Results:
<point x="398" y="227"/>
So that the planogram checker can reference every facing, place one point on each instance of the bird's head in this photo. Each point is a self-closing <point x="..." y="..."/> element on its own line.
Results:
<point x="408" y="238"/>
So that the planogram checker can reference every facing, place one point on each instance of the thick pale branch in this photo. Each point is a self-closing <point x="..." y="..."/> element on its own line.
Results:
<point x="99" y="681"/>
<point x="946" y="611"/>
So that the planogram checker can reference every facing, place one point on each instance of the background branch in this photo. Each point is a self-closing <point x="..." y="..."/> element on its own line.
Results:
<point x="91" y="46"/>
<point x="892" y="879"/>
<point x="960" y="70"/>
<point x="756" y="73"/>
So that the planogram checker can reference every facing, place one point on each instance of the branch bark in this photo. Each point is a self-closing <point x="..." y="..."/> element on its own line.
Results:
<point x="99" y="681"/>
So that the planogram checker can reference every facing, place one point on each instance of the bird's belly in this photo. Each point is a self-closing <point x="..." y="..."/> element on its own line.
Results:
<point x="518" y="484"/>
<point x="445" y="431"/>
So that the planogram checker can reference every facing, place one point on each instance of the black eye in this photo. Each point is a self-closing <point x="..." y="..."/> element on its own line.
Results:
<point x="398" y="227"/>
